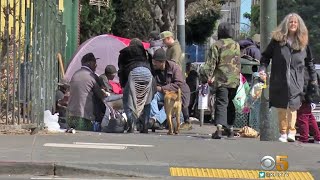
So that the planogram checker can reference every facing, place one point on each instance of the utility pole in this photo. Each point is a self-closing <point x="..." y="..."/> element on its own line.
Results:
<point x="181" y="30"/>
<point x="269" y="130"/>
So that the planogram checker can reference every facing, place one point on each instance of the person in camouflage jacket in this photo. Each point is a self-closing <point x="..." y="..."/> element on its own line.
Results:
<point x="222" y="71"/>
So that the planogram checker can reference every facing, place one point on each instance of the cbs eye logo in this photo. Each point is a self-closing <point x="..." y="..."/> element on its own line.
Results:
<point x="268" y="163"/>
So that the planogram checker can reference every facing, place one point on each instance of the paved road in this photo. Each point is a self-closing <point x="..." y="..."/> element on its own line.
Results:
<point x="151" y="155"/>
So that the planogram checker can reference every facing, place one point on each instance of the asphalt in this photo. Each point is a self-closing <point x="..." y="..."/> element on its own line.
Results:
<point x="38" y="155"/>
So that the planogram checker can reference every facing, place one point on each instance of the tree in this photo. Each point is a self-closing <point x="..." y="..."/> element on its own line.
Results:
<point x="309" y="11"/>
<point x="247" y="15"/>
<point x="132" y="19"/>
<point x="137" y="18"/>
<point x="201" y="18"/>
<point x="254" y="18"/>
<point x="164" y="12"/>
<point x="93" y="22"/>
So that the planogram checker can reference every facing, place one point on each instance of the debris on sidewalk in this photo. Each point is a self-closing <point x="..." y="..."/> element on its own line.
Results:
<point x="51" y="122"/>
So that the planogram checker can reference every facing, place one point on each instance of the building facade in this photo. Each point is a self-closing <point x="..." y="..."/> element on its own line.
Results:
<point x="254" y="2"/>
<point x="230" y="12"/>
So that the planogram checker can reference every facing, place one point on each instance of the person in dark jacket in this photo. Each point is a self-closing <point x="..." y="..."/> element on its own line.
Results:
<point x="168" y="76"/>
<point x="250" y="49"/>
<point x="305" y="118"/>
<point x="288" y="51"/>
<point x="85" y="96"/>
<point x="155" y="42"/>
<point x="137" y="81"/>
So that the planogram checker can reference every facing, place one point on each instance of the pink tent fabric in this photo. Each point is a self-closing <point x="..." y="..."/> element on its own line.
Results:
<point x="106" y="47"/>
<point x="127" y="41"/>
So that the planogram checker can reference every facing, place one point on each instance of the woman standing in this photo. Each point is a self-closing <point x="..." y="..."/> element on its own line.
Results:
<point x="136" y="80"/>
<point x="287" y="50"/>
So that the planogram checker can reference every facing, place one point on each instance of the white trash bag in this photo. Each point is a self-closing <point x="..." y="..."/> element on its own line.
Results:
<point x="51" y="121"/>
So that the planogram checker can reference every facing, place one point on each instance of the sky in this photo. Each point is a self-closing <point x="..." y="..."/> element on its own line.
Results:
<point x="245" y="7"/>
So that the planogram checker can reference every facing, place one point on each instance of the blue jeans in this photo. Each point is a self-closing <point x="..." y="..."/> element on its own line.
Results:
<point x="159" y="114"/>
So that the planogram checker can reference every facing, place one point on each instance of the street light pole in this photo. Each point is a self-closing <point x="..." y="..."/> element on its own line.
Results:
<point x="268" y="126"/>
<point x="196" y="51"/>
<point x="181" y="30"/>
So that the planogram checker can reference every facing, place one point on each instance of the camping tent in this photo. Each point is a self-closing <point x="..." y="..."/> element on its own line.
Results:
<point x="106" y="47"/>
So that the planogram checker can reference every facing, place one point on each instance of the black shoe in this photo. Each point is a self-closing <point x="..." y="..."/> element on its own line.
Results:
<point x="217" y="134"/>
<point x="131" y="127"/>
<point x="230" y="133"/>
<point x="145" y="131"/>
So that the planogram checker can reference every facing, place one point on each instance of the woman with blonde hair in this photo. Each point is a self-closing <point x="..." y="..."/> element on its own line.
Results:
<point x="290" y="54"/>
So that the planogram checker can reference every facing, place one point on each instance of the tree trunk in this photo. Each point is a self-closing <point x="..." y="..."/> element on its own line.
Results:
<point x="163" y="13"/>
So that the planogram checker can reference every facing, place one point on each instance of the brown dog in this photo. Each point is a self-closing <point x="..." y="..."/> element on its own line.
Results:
<point x="172" y="106"/>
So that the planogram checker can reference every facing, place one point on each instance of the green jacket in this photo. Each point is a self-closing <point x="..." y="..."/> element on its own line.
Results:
<point x="174" y="53"/>
<point x="222" y="66"/>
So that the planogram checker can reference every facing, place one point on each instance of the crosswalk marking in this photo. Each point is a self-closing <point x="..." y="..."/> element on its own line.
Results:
<point x="114" y="144"/>
<point x="88" y="146"/>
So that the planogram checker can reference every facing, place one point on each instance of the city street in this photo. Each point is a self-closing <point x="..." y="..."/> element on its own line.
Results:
<point x="148" y="156"/>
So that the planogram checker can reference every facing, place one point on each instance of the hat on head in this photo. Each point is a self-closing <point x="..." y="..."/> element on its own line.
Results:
<point x="88" y="58"/>
<point x="154" y="35"/>
<point x="159" y="55"/>
<point x="166" y="34"/>
<point x="110" y="69"/>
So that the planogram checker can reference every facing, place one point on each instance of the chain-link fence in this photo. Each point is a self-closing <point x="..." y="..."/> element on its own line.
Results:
<point x="31" y="35"/>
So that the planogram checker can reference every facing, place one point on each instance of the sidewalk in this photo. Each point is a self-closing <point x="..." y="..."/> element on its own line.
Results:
<point x="144" y="155"/>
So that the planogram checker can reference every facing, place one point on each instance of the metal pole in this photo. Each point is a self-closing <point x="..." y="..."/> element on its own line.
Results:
<point x="201" y="117"/>
<point x="197" y="53"/>
<point x="268" y="15"/>
<point x="181" y="30"/>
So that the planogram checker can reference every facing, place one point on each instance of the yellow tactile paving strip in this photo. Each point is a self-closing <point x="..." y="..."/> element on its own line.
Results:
<point x="238" y="174"/>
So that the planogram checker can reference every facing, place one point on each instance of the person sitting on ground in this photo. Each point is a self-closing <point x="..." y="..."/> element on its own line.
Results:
<point x="85" y="90"/>
<point x="114" y="100"/>
<point x="108" y="80"/>
<point x="168" y="77"/>
<point x="62" y="96"/>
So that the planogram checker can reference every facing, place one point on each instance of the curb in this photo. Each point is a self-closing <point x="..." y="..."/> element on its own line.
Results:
<point x="57" y="169"/>
<point x="33" y="168"/>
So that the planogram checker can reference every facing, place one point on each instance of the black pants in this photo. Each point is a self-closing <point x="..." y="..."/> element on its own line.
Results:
<point x="224" y="107"/>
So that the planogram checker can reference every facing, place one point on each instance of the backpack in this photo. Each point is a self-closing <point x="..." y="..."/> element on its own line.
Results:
<point x="117" y="122"/>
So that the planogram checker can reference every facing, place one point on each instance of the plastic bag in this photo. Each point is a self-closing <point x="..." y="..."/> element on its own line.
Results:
<point x="241" y="96"/>
<point x="256" y="90"/>
<point x="51" y="121"/>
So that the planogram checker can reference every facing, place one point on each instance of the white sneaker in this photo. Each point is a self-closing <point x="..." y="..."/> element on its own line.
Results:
<point x="291" y="137"/>
<point x="316" y="142"/>
<point x="283" y="138"/>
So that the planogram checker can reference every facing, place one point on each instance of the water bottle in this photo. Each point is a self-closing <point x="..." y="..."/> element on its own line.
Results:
<point x="96" y="127"/>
